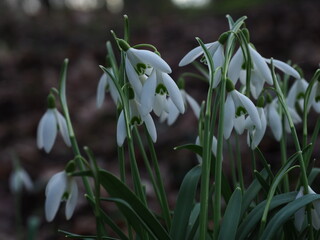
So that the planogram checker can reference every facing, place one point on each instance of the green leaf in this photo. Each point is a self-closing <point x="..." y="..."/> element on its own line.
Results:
<point x="225" y="189"/>
<point x="231" y="217"/>
<point x="313" y="174"/>
<point x="251" y="192"/>
<point x="132" y="216"/>
<point x="77" y="236"/>
<point x="185" y="203"/>
<point x="285" y="214"/>
<point x="117" y="189"/>
<point x="193" y="222"/>
<point x="262" y="181"/>
<point x="248" y="225"/>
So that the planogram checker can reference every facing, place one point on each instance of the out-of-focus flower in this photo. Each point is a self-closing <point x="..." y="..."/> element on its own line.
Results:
<point x="300" y="215"/>
<point x="106" y="84"/>
<point x="19" y="178"/>
<point x="50" y="123"/>
<point x="255" y="135"/>
<point x="314" y="99"/>
<point x="297" y="92"/>
<point x="213" y="147"/>
<point x="60" y="187"/>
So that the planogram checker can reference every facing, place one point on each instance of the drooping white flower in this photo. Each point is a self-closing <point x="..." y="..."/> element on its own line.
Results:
<point x="171" y="112"/>
<point x="314" y="99"/>
<point x="106" y="84"/>
<point x="295" y="119"/>
<point x="160" y="83"/>
<point x="60" y="187"/>
<point x="300" y="215"/>
<point x="236" y="103"/>
<point x="296" y="93"/>
<point x="255" y="135"/>
<point x="260" y="72"/>
<point x="50" y="123"/>
<point x="135" y="118"/>
<point x="216" y="50"/>
<point x="274" y="119"/>
<point x="19" y="178"/>
<point x="138" y="62"/>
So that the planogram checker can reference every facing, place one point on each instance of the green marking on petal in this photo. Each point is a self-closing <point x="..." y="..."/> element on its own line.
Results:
<point x="141" y="68"/>
<point x="136" y="121"/>
<point x="240" y="111"/>
<point x="161" y="89"/>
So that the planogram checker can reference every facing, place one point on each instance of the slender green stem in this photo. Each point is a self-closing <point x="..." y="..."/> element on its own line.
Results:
<point x="155" y="182"/>
<point x="166" y="210"/>
<point x="239" y="163"/>
<point x="232" y="165"/>
<point x="283" y="147"/>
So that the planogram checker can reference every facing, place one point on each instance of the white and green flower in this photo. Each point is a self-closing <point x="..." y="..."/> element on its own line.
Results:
<point x="51" y="122"/>
<point x="60" y="187"/>
<point x="106" y="84"/>
<point x="19" y="178"/>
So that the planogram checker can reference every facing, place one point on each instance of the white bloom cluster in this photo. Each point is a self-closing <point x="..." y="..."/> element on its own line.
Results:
<point x="153" y="90"/>
<point x="240" y="112"/>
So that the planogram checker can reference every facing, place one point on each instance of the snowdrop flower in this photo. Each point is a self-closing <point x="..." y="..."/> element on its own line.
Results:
<point x="238" y="104"/>
<point x="171" y="112"/>
<point x="255" y="135"/>
<point x="296" y="93"/>
<point x="20" y="178"/>
<point x="295" y="119"/>
<point x="50" y="123"/>
<point x="60" y="187"/>
<point x="216" y="50"/>
<point x="135" y="118"/>
<point x="138" y="62"/>
<point x="260" y="72"/>
<point x="213" y="147"/>
<point x="274" y="119"/>
<point x="315" y="97"/>
<point x="106" y="84"/>
<point x="160" y="84"/>
<point x="300" y="215"/>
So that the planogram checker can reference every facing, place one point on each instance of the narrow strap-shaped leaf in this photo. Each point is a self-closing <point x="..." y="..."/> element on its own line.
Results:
<point x="193" y="222"/>
<point x="249" y="223"/>
<point x="78" y="236"/>
<point x="262" y="181"/>
<point x="252" y="192"/>
<point x="313" y="174"/>
<point x="133" y="217"/>
<point x="231" y="217"/>
<point x="285" y="214"/>
<point x="184" y="204"/>
<point x="117" y="189"/>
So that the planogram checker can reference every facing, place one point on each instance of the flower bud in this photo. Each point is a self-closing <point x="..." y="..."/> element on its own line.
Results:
<point x="51" y="101"/>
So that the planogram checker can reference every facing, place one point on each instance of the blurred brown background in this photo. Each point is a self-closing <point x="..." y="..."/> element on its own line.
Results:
<point x="35" y="37"/>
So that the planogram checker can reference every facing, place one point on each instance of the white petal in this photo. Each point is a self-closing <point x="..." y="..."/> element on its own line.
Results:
<point x="259" y="133"/>
<point x="235" y="66"/>
<point x="26" y="180"/>
<point x="121" y="129"/>
<point x="261" y="65"/>
<point x="63" y="128"/>
<point x="299" y="218"/>
<point x="159" y="105"/>
<point x="194" y="54"/>
<point x="54" y="192"/>
<point x="150" y="58"/>
<point x="243" y="76"/>
<point x="173" y="112"/>
<point x="315" y="219"/>
<point x="284" y="67"/>
<point x="150" y="127"/>
<point x="229" y="115"/>
<point x="218" y="60"/>
<point x="194" y="105"/>
<point x="239" y="124"/>
<point x="249" y="106"/>
<point x="101" y="89"/>
<point x="163" y="116"/>
<point x="49" y="130"/>
<point x="72" y="200"/>
<point x="257" y="84"/>
<point x="174" y="92"/>
<point x="148" y="94"/>
<point x="292" y="94"/>
<point x="274" y="121"/>
<point x="133" y="77"/>
<point x="113" y="90"/>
